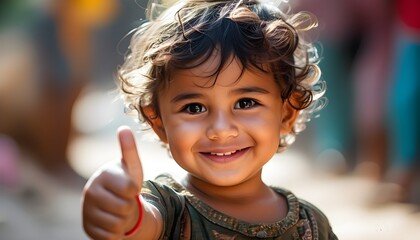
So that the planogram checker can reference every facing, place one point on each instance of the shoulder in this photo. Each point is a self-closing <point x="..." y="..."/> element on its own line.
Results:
<point x="309" y="216"/>
<point x="163" y="192"/>
<point x="163" y="182"/>
<point x="319" y="221"/>
<point x="318" y="215"/>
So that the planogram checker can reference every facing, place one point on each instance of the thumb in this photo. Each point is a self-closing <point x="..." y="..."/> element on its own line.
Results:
<point x="130" y="157"/>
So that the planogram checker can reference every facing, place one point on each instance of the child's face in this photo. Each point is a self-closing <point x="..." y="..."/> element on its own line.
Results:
<point x="222" y="134"/>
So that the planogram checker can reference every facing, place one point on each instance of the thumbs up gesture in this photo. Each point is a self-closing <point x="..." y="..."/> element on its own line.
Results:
<point x="110" y="207"/>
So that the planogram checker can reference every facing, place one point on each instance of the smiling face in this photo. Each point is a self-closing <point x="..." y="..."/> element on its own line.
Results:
<point x="222" y="133"/>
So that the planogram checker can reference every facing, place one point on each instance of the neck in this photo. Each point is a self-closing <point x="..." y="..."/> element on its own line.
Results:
<point x="249" y="190"/>
<point x="262" y="204"/>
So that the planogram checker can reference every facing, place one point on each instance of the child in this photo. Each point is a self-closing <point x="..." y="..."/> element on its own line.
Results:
<point x="225" y="84"/>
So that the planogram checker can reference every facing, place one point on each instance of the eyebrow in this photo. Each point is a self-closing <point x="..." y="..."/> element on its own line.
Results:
<point x="250" y="90"/>
<point x="185" y="96"/>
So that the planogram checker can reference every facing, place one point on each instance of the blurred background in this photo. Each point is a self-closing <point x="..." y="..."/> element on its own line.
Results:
<point x="59" y="111"/>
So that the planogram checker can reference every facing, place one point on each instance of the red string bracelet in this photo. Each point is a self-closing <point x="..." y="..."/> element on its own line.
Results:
<point x="137" y="225"/>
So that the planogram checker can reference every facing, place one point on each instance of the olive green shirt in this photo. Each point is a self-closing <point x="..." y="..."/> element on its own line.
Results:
<point x="179" y="209"/>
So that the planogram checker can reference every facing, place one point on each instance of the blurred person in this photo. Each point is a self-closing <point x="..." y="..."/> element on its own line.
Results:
<point x="403" y="106"/>
<point x="355" y="38"/>
<point x="17" y="68"/>
<point x="226" y="85"/>
<point x="371" y="76"/>
<point x="62" y="36"/>
<point x="64" y="40"/>
<point x="16" y="54"/>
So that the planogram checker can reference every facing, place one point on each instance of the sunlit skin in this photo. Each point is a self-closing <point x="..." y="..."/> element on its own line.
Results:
<point x="223" y="135"/>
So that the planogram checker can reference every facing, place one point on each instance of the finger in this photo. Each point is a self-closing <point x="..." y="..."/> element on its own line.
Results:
<point x="123" y="190"/>
<point x="118" y="182"/>
<point x="108" y="222"/>
<point x="130" y="157"/>
<point x="116" y="205"/>
<point x="97" y="233"/>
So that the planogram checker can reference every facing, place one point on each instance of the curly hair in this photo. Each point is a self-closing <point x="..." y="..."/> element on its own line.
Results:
<point x="258" y="34"/>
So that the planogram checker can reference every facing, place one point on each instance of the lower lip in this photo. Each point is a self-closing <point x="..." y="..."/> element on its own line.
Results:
<point x="226" y="158"/>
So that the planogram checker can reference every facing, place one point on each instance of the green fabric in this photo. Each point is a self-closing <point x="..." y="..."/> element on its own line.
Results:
<point x="178" y="206"/>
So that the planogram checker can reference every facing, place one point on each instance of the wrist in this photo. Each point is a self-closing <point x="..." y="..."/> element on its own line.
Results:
<point x="139" y="218"/>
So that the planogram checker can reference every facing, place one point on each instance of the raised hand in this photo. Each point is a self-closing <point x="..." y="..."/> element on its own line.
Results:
<point x="110" y="208"/>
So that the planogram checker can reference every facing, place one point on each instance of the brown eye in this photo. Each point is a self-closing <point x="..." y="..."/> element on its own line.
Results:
<point x="194" y="108"/>
<point x="245" y="103"/>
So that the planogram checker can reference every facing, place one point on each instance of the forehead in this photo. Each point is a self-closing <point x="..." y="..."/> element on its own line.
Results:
<point x="217" y="71"/>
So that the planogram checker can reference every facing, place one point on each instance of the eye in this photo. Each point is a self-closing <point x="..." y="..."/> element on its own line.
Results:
<point x="194" y="108"/>
<point x="245" y="103"/>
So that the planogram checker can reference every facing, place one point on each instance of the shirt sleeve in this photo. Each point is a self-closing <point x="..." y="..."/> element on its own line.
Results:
<point x="319" y="222"/>
<point x="169" y="203"/>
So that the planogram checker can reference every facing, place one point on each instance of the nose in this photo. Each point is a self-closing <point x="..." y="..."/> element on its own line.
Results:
<point x="222" y="126"/>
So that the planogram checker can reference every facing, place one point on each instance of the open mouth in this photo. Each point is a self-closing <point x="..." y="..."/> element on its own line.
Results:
<point x="225" y="156"/>
<point x="225" y="153"/>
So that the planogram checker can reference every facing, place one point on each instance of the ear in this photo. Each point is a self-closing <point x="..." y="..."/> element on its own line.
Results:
<point x="155" y="123"/>
<point x="289" y="117"/>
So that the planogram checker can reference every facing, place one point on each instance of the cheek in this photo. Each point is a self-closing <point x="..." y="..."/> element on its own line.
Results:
<point x="266" y="121"/>
<point x="265" y="128"/>
<point x="182" y="135"/>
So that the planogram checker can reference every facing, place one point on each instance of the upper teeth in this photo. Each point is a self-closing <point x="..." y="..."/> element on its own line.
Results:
<point x="223" y="154"/>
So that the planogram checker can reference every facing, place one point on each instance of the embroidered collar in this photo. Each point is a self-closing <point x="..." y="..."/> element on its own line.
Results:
<point x="248" y="229"/>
